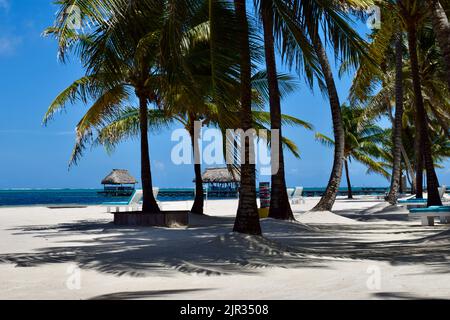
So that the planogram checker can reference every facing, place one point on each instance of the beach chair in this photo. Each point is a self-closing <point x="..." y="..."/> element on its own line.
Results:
<point x="290" y="192"/>
<point x="429" y="214"/>
<point x="442" y="192"/>
<point x="133" y="204"/>
<point x="297" y="197"/>
<point x="414" y="203"/>
<point x="155" y="195"/>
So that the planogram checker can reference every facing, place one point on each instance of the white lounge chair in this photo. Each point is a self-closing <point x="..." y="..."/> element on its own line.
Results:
<point x="296" y="197"/>
<point x="442" y="192"/>
<point x="290" y="192"/>
<point x="155" y="194"/>
<point x="134" y="204"/>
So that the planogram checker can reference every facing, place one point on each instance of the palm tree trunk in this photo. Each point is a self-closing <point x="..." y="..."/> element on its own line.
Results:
<point x="409" y="168"/>
<point x="349" y="184"/>
<point x="419" y="161"/>
<point x="405" y="157"/>
<point x="441" y="28"/>
<point x="424" y="139"/>
<point x="329" y="198"/>
<point x="199" y="201"/>
<point x="392" y="197"/>
<point x="402" y="185"/>
<point x="247" y="219"/>
<point x="149" y="201"/>
<point x="280" y="207"/>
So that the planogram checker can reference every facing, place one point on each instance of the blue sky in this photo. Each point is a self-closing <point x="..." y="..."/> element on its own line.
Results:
<point x="33" y="156"/>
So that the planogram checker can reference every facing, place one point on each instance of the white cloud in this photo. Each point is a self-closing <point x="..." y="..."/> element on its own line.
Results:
<point x="8" y="45"/>
<point x="4" y="4"/>
<point x="160" y="166"/>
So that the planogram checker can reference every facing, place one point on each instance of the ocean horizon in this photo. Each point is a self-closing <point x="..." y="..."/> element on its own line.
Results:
<point x="12" y="197"/>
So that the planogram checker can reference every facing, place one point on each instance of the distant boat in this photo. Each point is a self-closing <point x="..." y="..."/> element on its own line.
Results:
<point x="119" y="183"/>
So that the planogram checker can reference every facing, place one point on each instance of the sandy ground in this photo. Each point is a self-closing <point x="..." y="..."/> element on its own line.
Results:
<point x="365" y="250"/>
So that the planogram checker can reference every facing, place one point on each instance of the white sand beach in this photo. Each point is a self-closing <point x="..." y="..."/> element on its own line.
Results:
<point x="366" y="250"/>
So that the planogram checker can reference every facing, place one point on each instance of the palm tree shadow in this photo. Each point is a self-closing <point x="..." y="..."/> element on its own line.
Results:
<point x="399" y="296"/>
<point x="145" y="294"/>
<point x="381" y="212"/>
<point x="208" y="247"/>
<point x="205" y="248"/>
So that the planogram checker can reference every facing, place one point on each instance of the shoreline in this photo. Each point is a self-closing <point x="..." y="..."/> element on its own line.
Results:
<point x="94" y="197"/>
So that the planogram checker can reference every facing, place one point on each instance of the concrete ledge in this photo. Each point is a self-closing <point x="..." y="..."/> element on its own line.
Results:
<point x="169" y="219"/>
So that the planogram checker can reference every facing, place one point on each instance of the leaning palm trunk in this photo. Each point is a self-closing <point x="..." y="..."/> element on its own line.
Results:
<point x="199" y="202"/>
<point x="280" y="207"/>
<point x="247" y="219"/>
<point x="419" y="161"/>
<point x="329" y="198"/>
<point x="349" y="183"/>
<point x="441" y="28"/>
<point x="149" y="202"/>
<point x="409" y="168"/>
<point x="392" y="197"/>
<point x="424" y="140"/>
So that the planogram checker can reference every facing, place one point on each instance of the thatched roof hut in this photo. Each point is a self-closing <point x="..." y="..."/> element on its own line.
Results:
<point x="221" y="175"/>
<point x="119" y="177"/>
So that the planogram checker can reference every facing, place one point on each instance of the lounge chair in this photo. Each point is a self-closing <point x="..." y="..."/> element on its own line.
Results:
<point x="412" y="201"/>
<point x="428" y="214"/>
<point x="418" y="202"/>
<point x="290" y="192"/>
<point x="133" y="204"/>
<point x="296" y="197"/>
<point x="442" y="192"/>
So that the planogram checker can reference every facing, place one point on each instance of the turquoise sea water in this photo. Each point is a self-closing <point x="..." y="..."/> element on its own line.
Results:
<point x="26" y="197"/>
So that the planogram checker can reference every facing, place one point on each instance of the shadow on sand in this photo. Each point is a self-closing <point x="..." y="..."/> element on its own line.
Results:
<point x="208" y="248"/>
<point x="144" y="294"/>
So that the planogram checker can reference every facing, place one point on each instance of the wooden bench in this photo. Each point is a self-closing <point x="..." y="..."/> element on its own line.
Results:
<point x="429" y="214"/>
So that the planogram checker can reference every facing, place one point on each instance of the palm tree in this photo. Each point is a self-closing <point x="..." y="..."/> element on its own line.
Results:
<point x="362" y="139"/>
<point x="247" y="219"/>
<point x="378" y="70"/>
<point x="327" y="201"/>
<point x="412" y="14"/>
<point x="125" y="124"/>
<point x="398" y="122"/>
<point x="121" y="54"/>
<point x="441" y="27"/>
<point x="280" y="207"/>
<point x="294" y="22"/>
<point x="333" y="18"/>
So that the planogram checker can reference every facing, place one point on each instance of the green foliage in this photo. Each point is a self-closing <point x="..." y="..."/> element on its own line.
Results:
<point x="363" y="140"/>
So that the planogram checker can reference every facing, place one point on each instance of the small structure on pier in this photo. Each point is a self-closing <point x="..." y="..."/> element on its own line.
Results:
<point x="222" y="182"/>
<point x="119" y="183"/>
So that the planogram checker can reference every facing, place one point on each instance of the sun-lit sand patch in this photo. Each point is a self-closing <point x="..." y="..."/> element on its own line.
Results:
<point x="323" y="217"/>
<point x="322" y="255"/>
